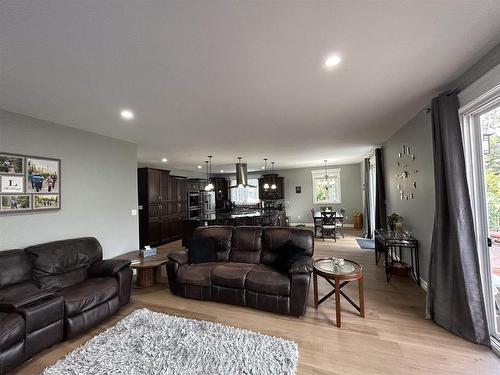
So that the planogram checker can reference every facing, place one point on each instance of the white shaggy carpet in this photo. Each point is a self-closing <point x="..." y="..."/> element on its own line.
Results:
<point x="147" y="342"/>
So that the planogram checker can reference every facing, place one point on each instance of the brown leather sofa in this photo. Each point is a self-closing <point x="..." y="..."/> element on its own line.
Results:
<point x="243" y="274"/>
<point x="55" y="291"/>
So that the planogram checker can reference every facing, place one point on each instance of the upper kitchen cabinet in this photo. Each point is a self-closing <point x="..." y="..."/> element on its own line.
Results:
<point x="162" y="201"/>
<point x="269" y="194"/>
<point x="221" y="189"/>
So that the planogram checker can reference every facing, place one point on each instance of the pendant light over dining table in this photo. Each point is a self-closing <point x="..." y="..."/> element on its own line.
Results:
<point x="326" y="181"/>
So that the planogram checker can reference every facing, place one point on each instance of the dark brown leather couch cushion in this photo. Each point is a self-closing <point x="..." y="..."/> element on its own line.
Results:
<point x="221" y="235"/>
<point x="196" y="274"/>
<point x="63" y="280"/>
<point x="264" y="279"/>
<point x="64" y="263"/>
<point x="57" y="257"/>
<point x="86" y="295"/>
<point x="11" y="329"/>
<point x="15" y="267"/>
<point x="231" y="275"/>
<point x="275" y="237"/>
<point x="21" y="294"/>
<point x="246" y="245"/>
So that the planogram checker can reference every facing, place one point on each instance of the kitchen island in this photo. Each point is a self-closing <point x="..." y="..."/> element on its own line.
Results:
<point x="259" y="217"/>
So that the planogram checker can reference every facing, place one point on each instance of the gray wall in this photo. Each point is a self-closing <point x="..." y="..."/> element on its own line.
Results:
<point x="301" y="204"/>
<point x="418" y="213"/>
<point x="98" y="186"/>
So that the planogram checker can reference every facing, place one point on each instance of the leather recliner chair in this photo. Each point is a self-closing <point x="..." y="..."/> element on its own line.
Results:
<point x="243" y="274"/>
<point x="92" y="288"/>
<point x="53" y="291"/>
<point x="31" y="319"/>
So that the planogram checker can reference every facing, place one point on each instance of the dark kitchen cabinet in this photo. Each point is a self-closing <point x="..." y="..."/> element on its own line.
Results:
<point x="221" y="188"/>
<point x="162" y="202"/>
<point x="269" y="194"/>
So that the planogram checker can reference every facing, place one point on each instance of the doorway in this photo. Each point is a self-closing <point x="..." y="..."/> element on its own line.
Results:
<point x="481" y="133"/>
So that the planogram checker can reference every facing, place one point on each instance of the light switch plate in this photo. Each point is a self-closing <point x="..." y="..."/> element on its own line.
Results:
<point x="133" y="212"/>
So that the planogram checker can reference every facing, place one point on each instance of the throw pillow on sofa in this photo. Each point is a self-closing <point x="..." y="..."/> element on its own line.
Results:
<point x="287" y="254"/>
<point x="201" y="250"/>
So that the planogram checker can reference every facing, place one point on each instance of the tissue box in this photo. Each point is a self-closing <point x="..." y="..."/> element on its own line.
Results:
<point x="147" y="252"/>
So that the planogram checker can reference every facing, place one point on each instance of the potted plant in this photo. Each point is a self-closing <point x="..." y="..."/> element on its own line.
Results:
<point x="392" y="219"/>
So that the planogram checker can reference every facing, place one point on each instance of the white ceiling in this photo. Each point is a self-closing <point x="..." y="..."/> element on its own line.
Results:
<point x="232" y="78"/>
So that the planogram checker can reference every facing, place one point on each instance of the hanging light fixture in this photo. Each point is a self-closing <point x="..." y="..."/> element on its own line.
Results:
<point x="209" y="186"/>
<point x="326" y="182"/>
<point x="266" y="185"/>
<point x="273" y="185"/>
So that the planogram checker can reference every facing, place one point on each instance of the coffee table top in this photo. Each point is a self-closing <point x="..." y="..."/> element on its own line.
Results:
<point x="145" y="262"/>
<point x="327" y="267"/>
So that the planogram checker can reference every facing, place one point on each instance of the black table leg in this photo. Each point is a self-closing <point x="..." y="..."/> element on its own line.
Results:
<point x="386" y="250"/>
<point x="417" y="264"/>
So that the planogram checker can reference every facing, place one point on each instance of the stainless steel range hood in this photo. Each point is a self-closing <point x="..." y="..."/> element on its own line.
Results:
<point x="241" y="175"/>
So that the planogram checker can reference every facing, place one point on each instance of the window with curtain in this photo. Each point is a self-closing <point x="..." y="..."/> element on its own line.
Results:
<point x="326" y="191"/>
<point x="245" y="195"/>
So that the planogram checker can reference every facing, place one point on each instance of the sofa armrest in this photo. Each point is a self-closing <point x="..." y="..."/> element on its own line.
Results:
<point x="179" y="256"/>
<point x="108" y="267"/>
<point x="23" y="294"/>
<point x="304" y="264"/>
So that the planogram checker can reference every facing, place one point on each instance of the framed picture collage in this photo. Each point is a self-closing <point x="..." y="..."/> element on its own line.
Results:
<point x="29" y="183"/>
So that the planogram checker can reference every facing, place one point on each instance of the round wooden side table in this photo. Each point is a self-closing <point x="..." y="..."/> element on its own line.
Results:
<point x="148" y="271"/>
<point x="338" y="277"/>
<point x="148" y="268"/>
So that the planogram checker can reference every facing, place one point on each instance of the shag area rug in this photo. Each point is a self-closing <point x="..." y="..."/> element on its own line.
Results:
<point x="147" y="342"/>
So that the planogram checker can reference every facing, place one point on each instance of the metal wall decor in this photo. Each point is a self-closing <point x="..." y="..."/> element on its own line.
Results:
<point x="406" y="179"/>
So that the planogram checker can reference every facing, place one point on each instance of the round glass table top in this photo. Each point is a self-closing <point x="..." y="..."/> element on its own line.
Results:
<point x="335" y="268"/>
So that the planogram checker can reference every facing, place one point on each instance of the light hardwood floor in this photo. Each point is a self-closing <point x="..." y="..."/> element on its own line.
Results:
<point x="393" y="338"/>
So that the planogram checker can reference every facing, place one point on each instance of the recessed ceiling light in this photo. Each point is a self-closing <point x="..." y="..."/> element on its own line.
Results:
<point x="127" y="114"/>
<point x="332" y="61"/>
<point x="222" y="171"/>
<point x="164" y="160"/>
<point x="199" y="167"/>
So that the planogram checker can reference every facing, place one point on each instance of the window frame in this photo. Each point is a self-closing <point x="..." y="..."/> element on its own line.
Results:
<point x="335" y="174"/>
<point x="250" y="181"/>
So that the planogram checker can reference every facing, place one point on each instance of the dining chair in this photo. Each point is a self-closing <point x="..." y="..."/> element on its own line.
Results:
<point x="326" y="208"/>
<point x="339" y="222"/>
<point x="328" y="224"/>
<point x="317" y="222"/>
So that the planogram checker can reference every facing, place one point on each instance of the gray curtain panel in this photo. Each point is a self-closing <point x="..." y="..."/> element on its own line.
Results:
<point x="367" y="230"/>
<point x="380" y="208"/>
<point x="455" y="295"/>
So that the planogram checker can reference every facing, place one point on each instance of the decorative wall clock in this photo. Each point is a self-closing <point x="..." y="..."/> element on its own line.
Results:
<point x="406" y="173"/>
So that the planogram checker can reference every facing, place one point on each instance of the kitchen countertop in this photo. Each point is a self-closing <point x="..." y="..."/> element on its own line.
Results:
<point x="236" y="215"/>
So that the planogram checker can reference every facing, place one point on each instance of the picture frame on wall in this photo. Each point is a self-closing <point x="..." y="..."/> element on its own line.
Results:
<point x="11" y="164"/>
<point x="46" y="202"/>
<point x="29" y="183"/>
<point x="11" y="184"/>
<point x="42" y="175"/>
<point x="15" y="203"/>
